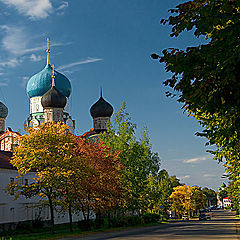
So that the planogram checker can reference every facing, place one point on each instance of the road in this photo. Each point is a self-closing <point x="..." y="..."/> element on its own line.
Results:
<point x="222" y="226"/>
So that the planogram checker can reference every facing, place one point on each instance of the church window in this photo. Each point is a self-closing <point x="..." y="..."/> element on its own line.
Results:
<point x="37" y="107"/>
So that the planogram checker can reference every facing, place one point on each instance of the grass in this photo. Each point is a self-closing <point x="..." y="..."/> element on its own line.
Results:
<point x="62" y="231"/>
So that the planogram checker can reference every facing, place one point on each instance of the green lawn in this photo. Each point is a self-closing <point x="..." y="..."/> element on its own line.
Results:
<point x="63" y="231"/>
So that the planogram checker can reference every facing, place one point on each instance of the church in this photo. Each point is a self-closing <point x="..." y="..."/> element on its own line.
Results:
<point x="48" y="92"/>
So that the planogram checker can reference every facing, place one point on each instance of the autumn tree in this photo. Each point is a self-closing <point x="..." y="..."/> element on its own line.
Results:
<point x="47" y="151"/>
<point x="136" y="156"/>
<point x="187" y="199"/>
<point x="70" y="172"/>
<point x="100" y="188"/>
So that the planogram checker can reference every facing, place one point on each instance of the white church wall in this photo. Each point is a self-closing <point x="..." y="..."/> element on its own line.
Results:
<point x="25" y="209"/>
<point x="36" y="105"/>
<point x="14" y="210"/>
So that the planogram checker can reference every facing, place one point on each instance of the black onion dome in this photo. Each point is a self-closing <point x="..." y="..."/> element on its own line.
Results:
<point x="101" y="109"/>
<point x="53" y="98"/>
<point x="3" y="110"/>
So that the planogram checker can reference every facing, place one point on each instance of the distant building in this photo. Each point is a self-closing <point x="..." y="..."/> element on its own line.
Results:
<point x="227" y="202"/>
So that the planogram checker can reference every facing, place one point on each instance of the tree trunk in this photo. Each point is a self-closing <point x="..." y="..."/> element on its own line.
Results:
<point x="109" y="219"/>
<point x="83" y="210"/>
<point x="51" y="213"/>
<point x="70" y="217"/>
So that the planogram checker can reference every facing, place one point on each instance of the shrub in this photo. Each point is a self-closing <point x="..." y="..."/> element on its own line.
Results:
<point x="85" y="225"/>
<point x="125" y="221"/>
<point x="37" y="223"/>
<point x="99" y="223"/>
<point x="151" y="218"/>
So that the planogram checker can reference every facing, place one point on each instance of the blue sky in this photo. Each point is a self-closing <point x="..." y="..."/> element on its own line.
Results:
<point x="104" y="43"/>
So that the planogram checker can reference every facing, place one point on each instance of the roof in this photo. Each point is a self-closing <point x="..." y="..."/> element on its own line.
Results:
<point x="8" y="133"/>
<point x="5" y="157"/>
<point x="41" y="82"/>
<point x="101" y="108"/>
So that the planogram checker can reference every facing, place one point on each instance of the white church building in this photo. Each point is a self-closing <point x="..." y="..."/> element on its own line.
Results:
<point x="42" y="109"/>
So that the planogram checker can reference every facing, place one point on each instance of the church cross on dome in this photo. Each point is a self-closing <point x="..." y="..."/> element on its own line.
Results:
<point x="48" y="51"/>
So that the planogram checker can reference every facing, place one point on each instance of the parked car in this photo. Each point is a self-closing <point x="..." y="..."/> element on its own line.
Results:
<point x="204" y="216"/>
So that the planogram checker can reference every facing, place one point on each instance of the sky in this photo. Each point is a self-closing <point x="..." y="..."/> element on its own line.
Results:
<point x="105" y="43"/>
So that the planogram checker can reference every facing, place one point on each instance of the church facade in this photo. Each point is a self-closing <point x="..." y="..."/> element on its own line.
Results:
<point x="48" y="92"/>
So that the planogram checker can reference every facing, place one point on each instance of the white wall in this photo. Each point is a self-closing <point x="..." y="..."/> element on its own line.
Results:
<point x="24" y="209"/>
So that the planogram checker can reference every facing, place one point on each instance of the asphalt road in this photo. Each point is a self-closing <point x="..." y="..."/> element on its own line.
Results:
<point x="222" y="226"/>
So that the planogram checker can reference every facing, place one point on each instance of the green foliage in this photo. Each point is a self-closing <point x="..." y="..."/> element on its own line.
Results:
<point x="151" y="218"/>
<point x="205" y="78"/>
<point x="90" y="224"/>
<point x="175" y="181"/>
<point x="136" y="157"/>
<point x="211" y="196"/>
<point x="158" y="190"/>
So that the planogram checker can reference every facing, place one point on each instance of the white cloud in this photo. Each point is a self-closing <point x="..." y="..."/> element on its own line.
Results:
<point x="4" y="82"/>
<point x="10" y="63"/>
<point x="185" y="177"/>
<point x="73" y="64"/>
<point x="209" y="175"/>
<point x="61" y="9"/>
<point x="24" y="81"/>
<point x="35" y="58"/>
<point x="16" y="41"/>
<point x="194" y="160"/>
<point x="63" y="6"/>
<point x="34" y="9"/>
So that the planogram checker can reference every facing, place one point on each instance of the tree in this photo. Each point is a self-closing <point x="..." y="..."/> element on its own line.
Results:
<point x="70" y="171"/>
<point x="175" y="181"/>
<point x="205" y="78"/>
<point x="136" y="157"/>
<point x="187" y="199"/>
<point x="100" y="188"/>
<point x="46" y="151"/>
<point x="222" y="192"/>
<point x="198" y="199"/>
<point x="234" y="194"/>
<point x="159" y="189"/>
<point x="211" y="196"/>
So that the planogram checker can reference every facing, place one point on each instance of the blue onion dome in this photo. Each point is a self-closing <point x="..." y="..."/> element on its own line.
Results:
<point x="53" y="99"/>
<point x="101" y="108"/>
<point x="3" y="110"/>
<point x="41" y="82"/>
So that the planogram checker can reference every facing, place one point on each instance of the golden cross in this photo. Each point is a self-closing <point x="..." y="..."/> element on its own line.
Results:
<point x="53" y="76"/>
<point x="48" y="51"/>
